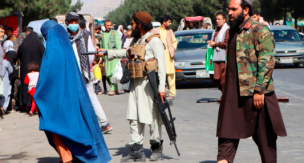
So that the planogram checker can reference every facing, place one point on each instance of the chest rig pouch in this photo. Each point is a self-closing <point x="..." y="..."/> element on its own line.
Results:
<point x="137" y="64"/>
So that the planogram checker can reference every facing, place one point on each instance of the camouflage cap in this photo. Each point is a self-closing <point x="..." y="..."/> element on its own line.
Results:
<point x="250" y="2"/>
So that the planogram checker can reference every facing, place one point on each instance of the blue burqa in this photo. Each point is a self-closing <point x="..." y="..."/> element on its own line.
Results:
<point x="64" y="105"/>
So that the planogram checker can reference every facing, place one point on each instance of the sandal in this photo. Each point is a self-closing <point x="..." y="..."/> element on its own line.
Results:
<point x="30" y="114"/>
<point x="111" y="93"/>
<point x="170" y="98"/>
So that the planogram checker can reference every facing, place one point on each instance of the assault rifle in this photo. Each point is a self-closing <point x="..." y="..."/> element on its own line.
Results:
<point x="168" y="121"/>
<point x="92" y="53"/>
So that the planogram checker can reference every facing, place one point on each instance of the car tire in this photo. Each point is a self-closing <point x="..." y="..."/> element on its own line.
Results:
<point x="297" y="65"/>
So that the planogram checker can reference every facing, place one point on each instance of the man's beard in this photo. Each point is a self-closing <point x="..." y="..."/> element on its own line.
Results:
<point x="136" y="33"/>
<point x="167" y="26"/>
<point x="234" y="25"/>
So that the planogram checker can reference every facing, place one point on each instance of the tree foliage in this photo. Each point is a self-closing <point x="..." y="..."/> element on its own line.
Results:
<point x="38" y="9"/>
<point x="177" y="9"/>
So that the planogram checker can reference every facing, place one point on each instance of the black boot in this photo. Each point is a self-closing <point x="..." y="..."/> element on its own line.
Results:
<point x="136" y="155"/>
<point x="156" y="151"/>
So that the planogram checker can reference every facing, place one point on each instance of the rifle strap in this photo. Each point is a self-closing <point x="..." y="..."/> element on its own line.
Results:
<point x="151" y="37"/>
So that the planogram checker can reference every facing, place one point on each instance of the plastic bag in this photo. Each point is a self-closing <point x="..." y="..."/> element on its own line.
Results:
<point x="209" y="66"/>
<point x="118" y="73"/>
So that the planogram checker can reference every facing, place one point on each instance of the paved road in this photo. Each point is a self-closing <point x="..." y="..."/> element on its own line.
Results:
<point x="22" y="142"/>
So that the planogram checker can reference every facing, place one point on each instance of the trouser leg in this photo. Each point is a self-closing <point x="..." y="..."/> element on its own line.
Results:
<point x="6" y="103"/>
<point x="99" y="87"/>
<point x="222" y="77"/>
<point x="33" y="107"/>
<point x="215" y="82"/>
<point x="171" y="84"/>
<point x="104" y="83"/>
<point x="227" y="149"/>
<point x="155" y="131"/>
<point x="101" y="116"/>
<point x="95" y="88"/>
<point x="137" y="131"/>
<point x="265" y="137"/>
<point x="114" y="87"/>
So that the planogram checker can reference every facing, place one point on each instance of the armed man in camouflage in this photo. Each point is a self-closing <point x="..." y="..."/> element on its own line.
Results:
<point x="249" y="106"/>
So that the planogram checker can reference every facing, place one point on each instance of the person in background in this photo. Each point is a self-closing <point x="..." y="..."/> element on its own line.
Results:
<point x="31" y="80"/>
<point x="2" y="33"/>
<point x="20" y="39"/>
<point x="15" y="76"/>
<point x="168" y="38"/>
<point x="206" y="26"/>
<point x="110" y="40"/>
<point x="12" y="57"/>
<point x="81" y="42"/>
<point x="187" y="26"/>
<point x="126" y="42"/>
<point x="97" y="77"/>
<point x="104" y="76"/>
<point x="97" y="36"/>
<point x="1" y="73"/>
<point x="219" y="42"/>
<point x="83" y="24"/>
<point x="5" y="99"/>
<point x="9" y="34"/>
<point x="28" y="30"/>
<point x="277" y="24"/>
<point x="54" y="19"/>
<point x="10" y="53"/>
<point x="120" y="31"/>
<point x="30" y="50"/>
<point x="257" y="17"/>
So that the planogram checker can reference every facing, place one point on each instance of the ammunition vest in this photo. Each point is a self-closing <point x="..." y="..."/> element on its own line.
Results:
<point x="137" y="64"/>
<point x="112" y="43"/>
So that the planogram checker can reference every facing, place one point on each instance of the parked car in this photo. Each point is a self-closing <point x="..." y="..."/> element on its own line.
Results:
<point x="190" y="54"/>
<point x="289" y="45"/>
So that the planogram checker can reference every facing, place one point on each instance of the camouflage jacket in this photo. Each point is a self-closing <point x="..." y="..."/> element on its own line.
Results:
<point x="255" y="59"/>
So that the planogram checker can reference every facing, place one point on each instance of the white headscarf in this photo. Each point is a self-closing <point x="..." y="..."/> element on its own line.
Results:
<point x="119" y="31"/>
<point x="8" y="46"/>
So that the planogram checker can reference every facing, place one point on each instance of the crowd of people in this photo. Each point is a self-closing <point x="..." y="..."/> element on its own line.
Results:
<point x="248" y="104"/>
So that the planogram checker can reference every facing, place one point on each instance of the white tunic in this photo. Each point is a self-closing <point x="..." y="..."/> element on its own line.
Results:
<point x="141" y="106"/>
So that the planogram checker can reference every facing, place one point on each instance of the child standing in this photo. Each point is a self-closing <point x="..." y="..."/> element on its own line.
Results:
<point x="97" y="77"/>
<point x="31" y="80"/>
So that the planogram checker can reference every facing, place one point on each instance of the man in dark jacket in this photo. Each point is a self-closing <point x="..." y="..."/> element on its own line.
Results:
<point x="249" y="107"/>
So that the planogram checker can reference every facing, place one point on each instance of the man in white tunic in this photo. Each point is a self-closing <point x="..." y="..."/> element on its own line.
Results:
<point x="141" y="108"/>
<point x="81" y="42"/>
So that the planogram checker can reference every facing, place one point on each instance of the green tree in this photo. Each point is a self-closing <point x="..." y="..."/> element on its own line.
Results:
<point x="38" y="9"/>
<point x="297" y="10"/>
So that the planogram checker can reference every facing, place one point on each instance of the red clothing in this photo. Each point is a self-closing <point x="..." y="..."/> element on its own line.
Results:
<point x="32" y="92"/>
<point x="26" y="80"/>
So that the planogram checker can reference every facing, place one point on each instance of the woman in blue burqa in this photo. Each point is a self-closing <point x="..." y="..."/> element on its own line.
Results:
<point x="65" y="110"/>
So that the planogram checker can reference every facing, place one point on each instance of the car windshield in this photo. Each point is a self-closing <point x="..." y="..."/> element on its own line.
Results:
<point x="193" y="41"/>
<point x="286" y="35"/>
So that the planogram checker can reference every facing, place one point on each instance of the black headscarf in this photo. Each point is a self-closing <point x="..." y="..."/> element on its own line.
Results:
<point x="30" y="50"/>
